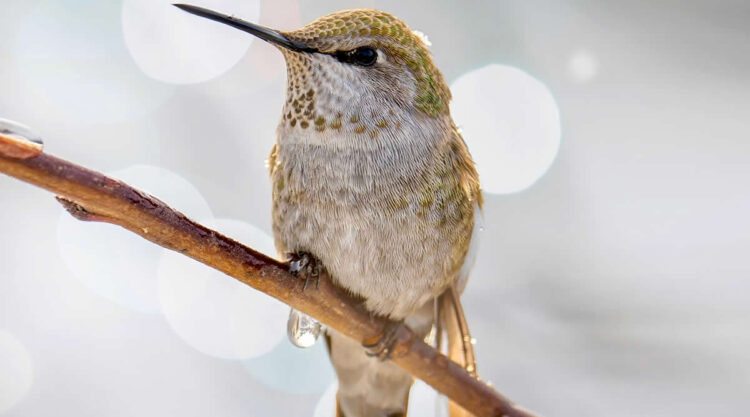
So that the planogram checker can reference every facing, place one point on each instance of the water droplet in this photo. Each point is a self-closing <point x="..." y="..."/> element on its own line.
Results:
<point x="18" y="131"/>
<point x="302" y="329"/>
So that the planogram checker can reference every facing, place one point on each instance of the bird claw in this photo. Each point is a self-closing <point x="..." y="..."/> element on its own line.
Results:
<point x="307" y="267"/>
<point x="383" y="347"/>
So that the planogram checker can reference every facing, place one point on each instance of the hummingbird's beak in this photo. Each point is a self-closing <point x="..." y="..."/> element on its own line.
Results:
<point x="269" y="35"/>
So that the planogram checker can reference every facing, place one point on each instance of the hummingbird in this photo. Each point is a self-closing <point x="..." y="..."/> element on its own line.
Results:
<point x="372" y="181"/>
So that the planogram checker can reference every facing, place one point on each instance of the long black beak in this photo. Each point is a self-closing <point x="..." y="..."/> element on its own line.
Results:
<point x="268" y="35"/>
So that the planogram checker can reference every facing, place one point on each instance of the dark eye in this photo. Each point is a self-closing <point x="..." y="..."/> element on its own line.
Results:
<point x="364" y="56"/>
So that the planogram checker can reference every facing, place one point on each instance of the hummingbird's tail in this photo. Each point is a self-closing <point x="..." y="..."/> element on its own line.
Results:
<point x="368" y="386"/>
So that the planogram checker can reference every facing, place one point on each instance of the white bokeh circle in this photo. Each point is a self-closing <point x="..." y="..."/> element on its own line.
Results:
<point x="511" y="124"/>
<point x="290" y="369"/>
<point x="173" y="46"/>
<point x="582" y="66"/>
<point x="16" y="371"/>
<point x="216" y="314"/>
<point x="71" y="64"/>
<point x="115" y="263"/>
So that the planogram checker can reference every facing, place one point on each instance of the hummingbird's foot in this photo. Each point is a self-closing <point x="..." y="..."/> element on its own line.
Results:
<point x="307" y="267"/>
<point x="383" y="348"/>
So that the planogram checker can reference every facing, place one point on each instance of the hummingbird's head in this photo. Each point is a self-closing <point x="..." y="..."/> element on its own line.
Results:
<point x="362" y="71"/>
<point x="373" y="54"/>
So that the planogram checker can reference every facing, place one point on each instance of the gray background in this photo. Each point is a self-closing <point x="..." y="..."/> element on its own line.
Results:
<point x="616" y="285"/>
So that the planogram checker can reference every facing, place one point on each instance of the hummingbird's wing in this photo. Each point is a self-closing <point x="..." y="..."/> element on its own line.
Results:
<point x="460" y="347"/>
<point x="471" y="254"/>
<point x="451" y="318"/>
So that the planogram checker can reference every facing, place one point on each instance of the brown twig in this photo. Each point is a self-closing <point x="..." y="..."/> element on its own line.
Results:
<point x="90" y="195"/>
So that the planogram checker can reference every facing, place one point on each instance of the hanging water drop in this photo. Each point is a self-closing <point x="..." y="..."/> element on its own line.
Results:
<point x="302" y="329"/>
<point x="17" y="141"/>
<point x="18" y="131"/>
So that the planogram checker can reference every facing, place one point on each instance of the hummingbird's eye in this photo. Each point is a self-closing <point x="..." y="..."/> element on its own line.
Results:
<point x="364" y="56"/>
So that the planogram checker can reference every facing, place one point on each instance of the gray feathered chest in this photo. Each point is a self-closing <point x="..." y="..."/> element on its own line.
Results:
<point x="382" y="220"/>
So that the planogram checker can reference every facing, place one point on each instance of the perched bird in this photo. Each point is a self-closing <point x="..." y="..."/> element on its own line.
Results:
<point x="371" y="180"/>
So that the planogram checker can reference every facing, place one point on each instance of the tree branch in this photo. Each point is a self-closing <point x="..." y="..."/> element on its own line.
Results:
<point x="91" y="196"/>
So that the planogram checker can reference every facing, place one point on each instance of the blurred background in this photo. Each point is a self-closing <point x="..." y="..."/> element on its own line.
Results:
<point x="612" y="140"/>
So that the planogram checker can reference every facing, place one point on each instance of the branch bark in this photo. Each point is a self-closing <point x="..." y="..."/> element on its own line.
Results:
<point x="91" y="196"/>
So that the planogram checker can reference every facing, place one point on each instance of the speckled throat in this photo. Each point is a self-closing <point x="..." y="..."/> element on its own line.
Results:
<point x="326" y="97"/>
